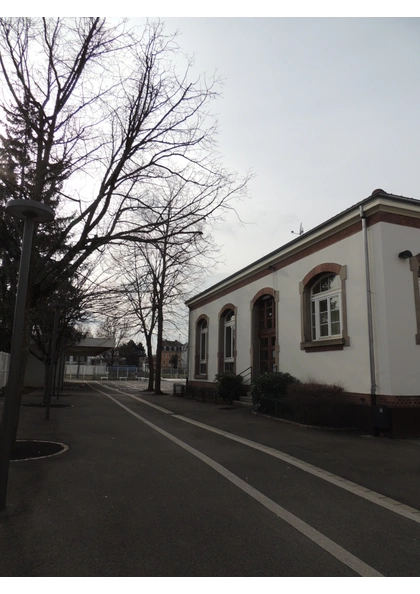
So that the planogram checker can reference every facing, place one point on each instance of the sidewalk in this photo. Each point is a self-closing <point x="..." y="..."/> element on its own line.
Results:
<point x="92" y="510"/>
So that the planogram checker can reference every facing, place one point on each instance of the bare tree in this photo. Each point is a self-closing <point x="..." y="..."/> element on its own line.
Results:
<point x="102" y="116"/>
<point x="157" y="277"/>
<point x="118" y="328"/>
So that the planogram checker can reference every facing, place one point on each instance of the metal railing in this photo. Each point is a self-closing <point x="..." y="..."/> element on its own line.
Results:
<point x="246" y="375"/>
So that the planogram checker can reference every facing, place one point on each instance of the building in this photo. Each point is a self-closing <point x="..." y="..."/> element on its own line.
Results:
<point x="170" y="348"/>
<point x="338" y="304"/>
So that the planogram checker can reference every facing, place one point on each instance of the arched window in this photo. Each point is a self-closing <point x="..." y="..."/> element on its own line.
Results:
<point x="201" y="347"/>
<point x="203" y="332"/>
<point x="229" y="341"/>
<point x="325" y="307"/>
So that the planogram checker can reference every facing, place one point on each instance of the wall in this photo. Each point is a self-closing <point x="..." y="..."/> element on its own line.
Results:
<point x="349" y="366"/>
<point x="398" y="370"/>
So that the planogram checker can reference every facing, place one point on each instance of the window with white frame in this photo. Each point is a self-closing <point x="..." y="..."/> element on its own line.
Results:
<point x="203" y="347"/>
<point x="326" y="307"/>
<point x="229" y="341"/>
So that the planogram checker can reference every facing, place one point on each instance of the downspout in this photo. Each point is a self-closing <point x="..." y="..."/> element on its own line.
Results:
<point x="188" y="349"/>
<point x="369" y="312"/>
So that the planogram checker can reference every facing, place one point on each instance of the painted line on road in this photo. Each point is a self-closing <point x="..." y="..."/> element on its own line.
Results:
<point x="388" y="503"/>
<point x="334" y="549"/>
<point x="164" y="410"/>
<point x="382" y="500"/>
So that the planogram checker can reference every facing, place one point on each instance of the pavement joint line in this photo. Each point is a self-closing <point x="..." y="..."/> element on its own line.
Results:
<point x="377" y="498"/>
<point x="328" y="545"/>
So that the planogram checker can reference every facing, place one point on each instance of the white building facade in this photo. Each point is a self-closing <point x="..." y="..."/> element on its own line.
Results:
<point x="338" y="304"/>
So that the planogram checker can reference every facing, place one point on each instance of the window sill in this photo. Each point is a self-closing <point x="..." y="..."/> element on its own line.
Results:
<point x="202" y="376"/>
<point x="329" y="344"/>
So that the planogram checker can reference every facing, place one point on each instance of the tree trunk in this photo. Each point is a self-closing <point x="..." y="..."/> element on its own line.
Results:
<point x="150" y="360"/>
<point x="47" y="371"/>
<point x="159" y="349"/>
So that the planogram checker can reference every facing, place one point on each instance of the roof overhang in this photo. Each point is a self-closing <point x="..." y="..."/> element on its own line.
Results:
<point x="91" y="347"/>
<point x="379" y="201"/>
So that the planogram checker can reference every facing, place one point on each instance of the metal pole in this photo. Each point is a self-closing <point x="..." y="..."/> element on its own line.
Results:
<point x="50" y="375"/>
<point x="11" y="396"/>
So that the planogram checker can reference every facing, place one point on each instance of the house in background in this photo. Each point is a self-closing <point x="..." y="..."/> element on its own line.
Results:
<point x="85" y="350"/>
<point x="169" y="349"/>
<point x="338" y="304"/>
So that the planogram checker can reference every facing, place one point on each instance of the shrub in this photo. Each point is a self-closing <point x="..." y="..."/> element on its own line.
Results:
<point x="315" y="391"/>
<point x="271" y="385"/>
<point x="320" y="404"/>
<point x="228" y="387"/>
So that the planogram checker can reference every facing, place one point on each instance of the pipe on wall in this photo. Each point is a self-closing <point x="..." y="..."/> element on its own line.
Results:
<point x="369" y="310"/>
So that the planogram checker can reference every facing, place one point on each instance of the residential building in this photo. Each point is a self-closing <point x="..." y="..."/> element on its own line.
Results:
<point x="170" y="348"/>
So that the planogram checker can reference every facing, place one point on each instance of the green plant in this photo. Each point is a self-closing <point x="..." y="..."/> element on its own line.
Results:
<point x="271" y="385"/>
<point x="228" y="387"/>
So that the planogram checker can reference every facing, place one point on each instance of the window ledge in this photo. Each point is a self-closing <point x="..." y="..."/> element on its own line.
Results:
<point x="329" y="344"/>
<point x="202" y="376"/>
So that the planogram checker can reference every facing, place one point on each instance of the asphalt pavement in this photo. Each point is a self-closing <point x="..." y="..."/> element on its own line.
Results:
<point x="166" y="486"/>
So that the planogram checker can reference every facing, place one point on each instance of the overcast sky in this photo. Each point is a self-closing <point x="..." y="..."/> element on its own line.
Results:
<point x="323" y="111"/>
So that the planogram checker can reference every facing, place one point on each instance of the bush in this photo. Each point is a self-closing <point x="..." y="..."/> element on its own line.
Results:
<point x="271" y="385"/>
<point x="320" y="404"/>
<point x="228" y="387"/>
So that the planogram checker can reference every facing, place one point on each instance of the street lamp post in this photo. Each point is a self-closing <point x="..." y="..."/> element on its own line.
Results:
<point x="53" y="367"/>
<point x="31" y="212"/>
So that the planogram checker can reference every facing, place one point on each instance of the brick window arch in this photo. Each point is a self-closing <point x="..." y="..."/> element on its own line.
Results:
<point x="324" y="308"/>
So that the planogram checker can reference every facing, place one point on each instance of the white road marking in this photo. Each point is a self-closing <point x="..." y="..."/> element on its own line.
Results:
<point x="344" y="556"/>
<point x="164" y="410"/>
<point x="382" y="500"/>
<point x="377" y="498"/>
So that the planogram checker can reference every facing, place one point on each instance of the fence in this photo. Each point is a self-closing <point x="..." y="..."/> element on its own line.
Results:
<point x="4" y="368"/>
<point x="89" y="372"/>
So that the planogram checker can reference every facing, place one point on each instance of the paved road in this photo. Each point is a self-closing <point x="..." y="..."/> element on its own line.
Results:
<point x="170" y="487"/>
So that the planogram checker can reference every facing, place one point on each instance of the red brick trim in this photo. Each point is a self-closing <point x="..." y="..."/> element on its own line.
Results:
<point x="382" y="400"/>
<point x="261" y="292"/>
<point x="320" y="245"/>
<point x="201" y="318"/>
<point x="202" y="384"/>
<point x="226" y="307"/>
<point x="377" y="217"/>
<point x="326" y="267"/>
<point x="395" y="219"/>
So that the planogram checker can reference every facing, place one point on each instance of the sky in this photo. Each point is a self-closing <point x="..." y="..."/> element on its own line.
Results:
<point x="322" y="110"/>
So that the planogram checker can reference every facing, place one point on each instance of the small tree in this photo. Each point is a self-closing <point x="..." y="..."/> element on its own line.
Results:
<point x="173" y="361"/>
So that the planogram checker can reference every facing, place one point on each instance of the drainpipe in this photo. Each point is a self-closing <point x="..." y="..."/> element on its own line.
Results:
<point x="369" y="312"/>
<point x="188" y="350"/>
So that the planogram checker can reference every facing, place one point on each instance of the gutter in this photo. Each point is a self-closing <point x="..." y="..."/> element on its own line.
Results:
<point x="369" y="310"/>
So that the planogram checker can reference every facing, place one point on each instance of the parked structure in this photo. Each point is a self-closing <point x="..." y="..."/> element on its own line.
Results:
<point x="339" y="303"/>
